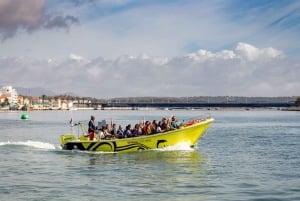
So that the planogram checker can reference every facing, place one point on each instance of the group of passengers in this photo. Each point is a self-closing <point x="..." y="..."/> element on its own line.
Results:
<point x="113" y="131"/>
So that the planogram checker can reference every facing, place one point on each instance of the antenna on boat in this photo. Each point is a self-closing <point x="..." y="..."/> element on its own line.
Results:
<point x="111" y="123"/>
<point x="81" y="125"/>
<point x="71" y="124"/>
<point x="71" y="121"/>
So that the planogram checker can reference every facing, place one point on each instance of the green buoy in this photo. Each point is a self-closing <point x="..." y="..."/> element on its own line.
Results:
<point x="24" y="116"/>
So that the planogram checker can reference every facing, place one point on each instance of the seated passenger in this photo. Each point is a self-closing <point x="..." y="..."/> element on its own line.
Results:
<point x="153" y="127"/>
<point x="145" y="128"/>
<point x="168" y="125"/>
<point x="163" y="124"/>
<point x="158" y="128"/>
<point x="113" y="130"/>
<point x="127" y="131"/>
<point x="120" y="132"/>
<point x="148" y="128"/>
<point x="101" y="134"/>
<point x="140" y="129"/>
<point x="135" y="130"/>
<point x="106" y="132"/>
<point x="173" y="123"/>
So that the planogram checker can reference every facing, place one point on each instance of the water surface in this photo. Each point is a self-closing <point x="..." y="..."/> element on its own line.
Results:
<point x="244" y="155"/>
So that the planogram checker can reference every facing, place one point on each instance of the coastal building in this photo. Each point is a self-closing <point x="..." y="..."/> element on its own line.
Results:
<point x="10" y="93"/>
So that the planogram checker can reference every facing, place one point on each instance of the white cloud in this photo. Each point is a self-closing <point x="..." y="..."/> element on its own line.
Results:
<point x="203" y="55"/>
<point x="244" y="71"/>
<point x="76" y="57"/>
<point x="252" y="53"/>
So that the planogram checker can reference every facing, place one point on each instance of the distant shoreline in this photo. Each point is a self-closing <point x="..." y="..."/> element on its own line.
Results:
<point x="166" y="109"/>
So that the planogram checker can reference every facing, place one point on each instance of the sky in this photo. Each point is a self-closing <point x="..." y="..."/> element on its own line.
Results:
<point x="135" y="48"/>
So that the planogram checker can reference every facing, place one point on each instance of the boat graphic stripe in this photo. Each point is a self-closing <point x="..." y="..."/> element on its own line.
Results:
<point x="131" y="146"/>
<point x="160" y="141"/>
<point x="91" y="145"/>
<point x="102" y="143"/>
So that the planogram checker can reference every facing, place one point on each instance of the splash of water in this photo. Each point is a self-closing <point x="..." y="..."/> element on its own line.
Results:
<point x="47" y="146"/>
<point x="178" y="147"/>
<point x="29" y="143"/>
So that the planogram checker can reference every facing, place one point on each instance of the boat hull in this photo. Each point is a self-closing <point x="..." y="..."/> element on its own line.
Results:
<point x="188" y="135"/>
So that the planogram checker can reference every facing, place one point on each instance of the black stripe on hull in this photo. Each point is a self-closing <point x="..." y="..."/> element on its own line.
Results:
<point x="93" y="146"/>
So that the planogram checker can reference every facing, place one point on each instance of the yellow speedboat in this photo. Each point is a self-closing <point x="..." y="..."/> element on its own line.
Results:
<point x="188" y="133"/>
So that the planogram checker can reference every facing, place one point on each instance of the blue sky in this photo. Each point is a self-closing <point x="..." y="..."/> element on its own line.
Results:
<point x="179" y="26"/>
<point x="148" y="31"/>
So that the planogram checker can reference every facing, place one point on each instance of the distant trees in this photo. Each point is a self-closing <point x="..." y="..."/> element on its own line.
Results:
<point x="43" y="100"/>
<point x="5" y="103"/>
<point x="298" y="102"/>
<point x="91" y="101"/>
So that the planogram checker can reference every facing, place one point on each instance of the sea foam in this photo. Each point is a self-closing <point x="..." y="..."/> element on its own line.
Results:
<point x="178" y="147"/>
<point x="29" y="143"/>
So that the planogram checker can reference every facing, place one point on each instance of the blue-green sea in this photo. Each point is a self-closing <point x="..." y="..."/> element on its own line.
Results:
<point x="244" y="155"/>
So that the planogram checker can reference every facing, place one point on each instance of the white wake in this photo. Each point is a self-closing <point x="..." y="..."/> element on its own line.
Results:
<point x="29" y="143"/>
<point x="178" y="147"/>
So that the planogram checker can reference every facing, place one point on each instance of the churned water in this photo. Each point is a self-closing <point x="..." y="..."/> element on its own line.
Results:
<point x="244" y="155"/>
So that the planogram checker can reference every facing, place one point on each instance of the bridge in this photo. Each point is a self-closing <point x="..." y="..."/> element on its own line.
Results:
<point x="134" y="105"/>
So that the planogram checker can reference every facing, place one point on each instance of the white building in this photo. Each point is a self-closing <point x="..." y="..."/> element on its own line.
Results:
<point x="10" y="93"/>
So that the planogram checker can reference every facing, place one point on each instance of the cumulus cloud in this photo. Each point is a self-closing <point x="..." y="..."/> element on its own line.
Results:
<point x="252" y="53"/>
<point x="243" y="71"/>
<point x="76" y="57"/>
<point x="29" y="15"/>
<point x="243" y="51"/>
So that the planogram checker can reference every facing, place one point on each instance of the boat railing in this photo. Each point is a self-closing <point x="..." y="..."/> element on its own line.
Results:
<point x="201" y="117"/>
<point x="80" y="128"/>
<point x="197" y="119"/>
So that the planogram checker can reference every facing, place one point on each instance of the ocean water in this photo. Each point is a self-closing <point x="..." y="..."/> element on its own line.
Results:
<point x="244" y="155"/>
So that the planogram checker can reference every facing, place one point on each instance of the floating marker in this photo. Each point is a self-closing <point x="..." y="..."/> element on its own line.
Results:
<point x="24" y="116"/>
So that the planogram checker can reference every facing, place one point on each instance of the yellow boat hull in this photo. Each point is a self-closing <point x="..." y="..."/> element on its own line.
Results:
<point x="188" y="135"/>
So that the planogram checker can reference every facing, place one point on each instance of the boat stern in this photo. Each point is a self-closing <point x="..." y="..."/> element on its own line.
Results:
<point x="64" y="139"/>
